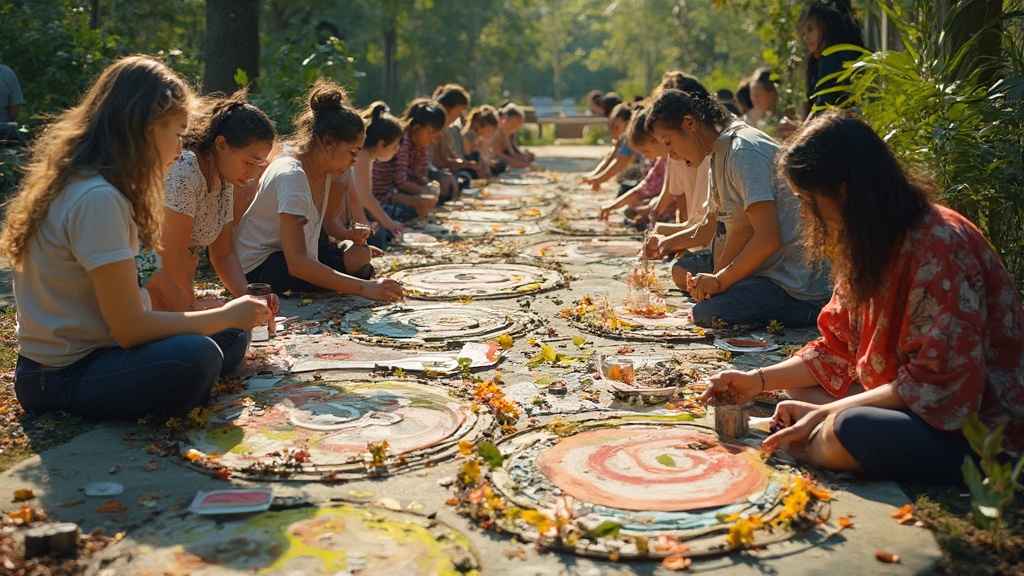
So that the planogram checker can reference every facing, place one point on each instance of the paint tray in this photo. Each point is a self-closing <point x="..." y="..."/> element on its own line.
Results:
<point x="241" y="501"/>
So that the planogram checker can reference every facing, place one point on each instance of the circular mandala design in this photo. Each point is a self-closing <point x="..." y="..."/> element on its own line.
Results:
<point x="481" y="280"/>
<point x="433" y="325"/>
<point x="333" y="421"/>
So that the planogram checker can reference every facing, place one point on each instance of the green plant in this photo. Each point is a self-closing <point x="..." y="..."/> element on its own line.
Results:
<point x="992" y="494"/>
<point x="942" y="115"/>
<point x="288" y="71"/>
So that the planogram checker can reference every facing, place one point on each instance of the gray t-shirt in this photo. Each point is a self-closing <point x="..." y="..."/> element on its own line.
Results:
<point x="283" y="189"/>
<point x="88" y="225"/>
<point x="10" y="92"/>
<point x="743" y="173"/>
<point x="188" y="194"/>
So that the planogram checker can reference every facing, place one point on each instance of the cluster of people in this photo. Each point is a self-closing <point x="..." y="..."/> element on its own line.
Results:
<point x="921" y="323"/>
<point x="125" y="190"/>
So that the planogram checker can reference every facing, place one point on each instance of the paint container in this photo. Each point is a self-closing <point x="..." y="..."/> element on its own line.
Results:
<point x="620" y="369"/>
<point x="265" y="331"/>
<point x="732" y="422"/>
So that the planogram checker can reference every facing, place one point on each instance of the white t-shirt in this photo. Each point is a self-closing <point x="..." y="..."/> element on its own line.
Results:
<point x="692" y="182"/>
<point x="283" y="189"/>
<point x="88" y="225"/>
<point x="188" y="194"/>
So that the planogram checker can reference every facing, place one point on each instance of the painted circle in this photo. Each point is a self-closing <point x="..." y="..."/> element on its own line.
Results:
<point x="484" y="279"/>
<point x="665" y="469"/>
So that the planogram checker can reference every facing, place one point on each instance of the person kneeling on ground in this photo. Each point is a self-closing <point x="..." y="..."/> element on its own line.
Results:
<point x="925" y="325"/>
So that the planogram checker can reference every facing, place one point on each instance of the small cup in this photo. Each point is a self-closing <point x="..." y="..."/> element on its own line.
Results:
<point x="732" y="422"/>
<point x="620" y="369"/>
<point x="263" y="292"/>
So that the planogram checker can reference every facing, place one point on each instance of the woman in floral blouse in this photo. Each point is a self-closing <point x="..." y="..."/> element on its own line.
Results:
<point x="925" y="325"/>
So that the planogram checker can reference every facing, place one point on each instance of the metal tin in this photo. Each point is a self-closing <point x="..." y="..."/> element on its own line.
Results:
<point x="732" y="422"/>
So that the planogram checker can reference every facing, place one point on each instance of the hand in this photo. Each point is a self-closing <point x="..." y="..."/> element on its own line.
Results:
<point x="433" y="189"/>
<point x="703" y="286"/>
<point x="605" y="213"/>
<point x="795" y="421"/>
<point x="787" y="127"/>
<point x="385" y="290"/>
<point x="731" y="387"/>
<point x="246" y="312"/>
<point x="359" y="233"/>
<point x="396" y="228"/>
<point x="595" y="185"/>
<point x="375" y="252"/>
<point x="654" y="247"/>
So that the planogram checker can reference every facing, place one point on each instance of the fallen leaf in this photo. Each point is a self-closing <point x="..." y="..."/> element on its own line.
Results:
<point x="844" y="522"/>
<point x="70" y="503"/>
<point x="887" y="557"/>
<point x="390" y="504"/>
<point x="112" y="506"/>
<point x="678" y="563"/>
<point x="23" y="494"/>
<point x="903" y="511"/>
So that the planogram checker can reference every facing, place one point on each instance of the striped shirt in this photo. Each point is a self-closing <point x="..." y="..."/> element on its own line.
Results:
<point x="408" y="164"/>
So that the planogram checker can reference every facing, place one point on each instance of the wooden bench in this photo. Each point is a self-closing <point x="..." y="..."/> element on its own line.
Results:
<point x="570" y="126"/>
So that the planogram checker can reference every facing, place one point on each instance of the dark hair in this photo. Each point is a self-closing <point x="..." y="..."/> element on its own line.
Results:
<point x="623" y="111"/>
<point x="676" y="80"/>
<point x="763" y="76"/>
<point x="724" y="94"/>
<point x="327" y="118"/>
<point x="672" y="106"/>
<point x="838" y="24"/>
<point x="638" y="132"/>
<point x="743" y="95"/>
<point x="595" y="97"/>
<point x="509" y="110"/>
<point x="484" y="115"/>
<point x="380" y="126"/>
<point x="882" y="201"/>
<point x="609" y="101"/>
<point x="451" y="96"/>
<point x="239" y="122"/>
<point x="424" y="112"/>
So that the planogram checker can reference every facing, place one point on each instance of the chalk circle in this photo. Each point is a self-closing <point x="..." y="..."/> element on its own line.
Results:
<point x="418" y="240"/>
<point x="591" y="228"/>
<point x="650" y="476"/>
<point x="312" y="541"/>
<point x="333" y="420"/>
<point x="463" y="229"/>
<point x="476" y="280"/>
<point x="512" y="193"/>
<point x="526" y="179"/>
<point x="676" y="325"/>
<point x="446" y="325"/>
<point x="593" y="250"/>
<point x="656" y="468"/>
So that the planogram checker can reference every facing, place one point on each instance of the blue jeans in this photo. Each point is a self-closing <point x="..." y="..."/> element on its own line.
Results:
<point x="168" y="377"/>
<point x="757" y="300"/>
<point x="698" y="262"/>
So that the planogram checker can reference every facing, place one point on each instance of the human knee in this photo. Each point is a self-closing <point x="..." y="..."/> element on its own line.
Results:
<point x="357" y="256"/>
<point x="679" y="277"/>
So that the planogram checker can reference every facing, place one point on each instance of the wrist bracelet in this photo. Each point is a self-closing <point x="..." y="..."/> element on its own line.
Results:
<point x="761" y="374"/>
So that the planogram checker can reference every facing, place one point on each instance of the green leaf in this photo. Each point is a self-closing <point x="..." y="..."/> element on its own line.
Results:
<point x="490" y="453"/>
<point x="666" y="460"/>
<point x="606" y="529"/>
<point x="241" y="78"/>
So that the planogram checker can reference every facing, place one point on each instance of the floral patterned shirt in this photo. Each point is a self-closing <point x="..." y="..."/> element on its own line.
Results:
<point x="187" y="194"/>
<point x="947" y="326"/>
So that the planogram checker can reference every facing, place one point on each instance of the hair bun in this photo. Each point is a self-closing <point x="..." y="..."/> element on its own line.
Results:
<point x="327" y="97"/>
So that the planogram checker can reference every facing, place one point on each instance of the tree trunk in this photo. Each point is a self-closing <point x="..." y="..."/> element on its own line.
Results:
<point x="232" y="43"/>
<point x="390" y="80"/>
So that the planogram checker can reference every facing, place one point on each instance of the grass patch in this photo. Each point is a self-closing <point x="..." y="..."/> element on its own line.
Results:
<point x="966" y="549"/>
